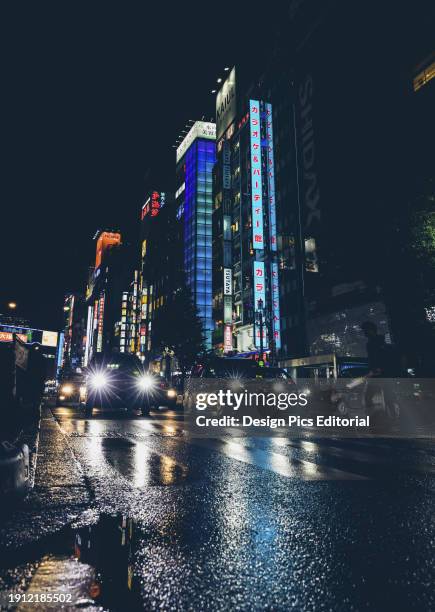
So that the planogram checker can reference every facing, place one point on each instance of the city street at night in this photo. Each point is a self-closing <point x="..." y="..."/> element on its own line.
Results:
<point x="217" y="307"/>
<point x="129" y="513"/>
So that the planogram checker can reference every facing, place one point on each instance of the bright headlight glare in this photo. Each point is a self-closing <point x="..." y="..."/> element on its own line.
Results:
<point x="98" y="380"/>
<point x="146" y="382"/>
<point x="172" y="393"/>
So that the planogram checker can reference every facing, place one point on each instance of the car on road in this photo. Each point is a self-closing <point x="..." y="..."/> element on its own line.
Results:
<point x="119" y="382"/>
<point x="341" y="395"/>
<point x="236" y="375"/>
<point x="70" y="390"/>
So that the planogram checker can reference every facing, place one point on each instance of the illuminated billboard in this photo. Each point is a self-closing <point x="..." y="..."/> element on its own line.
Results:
<point x="260" y="301"/>
<point x="9" y="336"/>
<point x="100" y="320"/>
<point x="271" y="177"/>
<point x="105" y="240"/>
<point x="49" y="338"/>
<point x="276" y="323"/>
<point x="228" y="281"/>
<point x="226" y="106"/>
<point x="154" y="203"/>
<point x="200" y="129"/>
<point x="30" y="335"/>
<point x="256" y="180"/>
<point x="228" y="339"/>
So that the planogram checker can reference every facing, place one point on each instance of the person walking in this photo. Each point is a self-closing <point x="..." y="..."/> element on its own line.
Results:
<point x="384" y="366"/>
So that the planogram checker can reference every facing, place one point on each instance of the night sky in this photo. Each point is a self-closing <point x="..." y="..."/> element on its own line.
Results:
<point x="96" y="96"/>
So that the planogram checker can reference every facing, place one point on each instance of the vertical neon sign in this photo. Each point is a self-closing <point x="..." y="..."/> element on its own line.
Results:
<point x="256" y="183"/>
<point x="276" y="322"/>
<point x="271" y="177"/>
<point x="260" y="294"/>
<point x="100" y="322"/>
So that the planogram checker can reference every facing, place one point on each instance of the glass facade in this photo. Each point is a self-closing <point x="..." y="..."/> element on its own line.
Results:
<point x="198" y="206"/>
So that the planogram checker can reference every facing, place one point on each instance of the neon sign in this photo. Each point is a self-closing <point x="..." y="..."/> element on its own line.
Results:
<point x="271" y="177"/>
<point x="276" y="324"/>
<point x="259" y="301"/>
<point x="153" y="204"/>
<point x="100" y="306"/>
<point x="256" y="181"/>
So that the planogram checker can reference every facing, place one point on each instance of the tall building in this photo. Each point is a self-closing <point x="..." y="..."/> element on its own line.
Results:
<point x="195" y="158"/>
<point x="160" y="247"/>
<point x="246" y="295"/>
<point x="351" y="115"/>
<point x="108" y="281"/>
<point x="74" y="331"/>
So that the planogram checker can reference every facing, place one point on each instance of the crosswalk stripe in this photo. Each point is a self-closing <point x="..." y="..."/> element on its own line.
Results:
<point x="275" y="462"/>
<point x="325" y="448"/>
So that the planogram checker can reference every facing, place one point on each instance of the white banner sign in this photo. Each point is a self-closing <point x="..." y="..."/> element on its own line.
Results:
<point x="228" y="281"/>
<point x="200" y="129"/>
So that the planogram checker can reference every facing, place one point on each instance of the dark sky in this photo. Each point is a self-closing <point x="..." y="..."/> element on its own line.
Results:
<point x="95" y="96"/>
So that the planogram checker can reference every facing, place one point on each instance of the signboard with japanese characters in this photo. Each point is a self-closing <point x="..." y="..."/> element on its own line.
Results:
<point x="228" y="339"/>
<point x="259" y="282"/>
<point x="200" y="129"/>
<point x="276" y="322"/>
<point x="271" y="177"/>
<point x="256" y="179"/>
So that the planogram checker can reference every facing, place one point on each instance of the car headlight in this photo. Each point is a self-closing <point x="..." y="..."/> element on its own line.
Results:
<point x="146" y="383"/>
<point x="67" y="389"/>
<point x="172" y="393"/>
<point x="98" y="381"/>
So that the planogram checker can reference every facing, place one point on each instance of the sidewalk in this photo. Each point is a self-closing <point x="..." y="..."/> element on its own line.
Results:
<point x="59" y="494"/>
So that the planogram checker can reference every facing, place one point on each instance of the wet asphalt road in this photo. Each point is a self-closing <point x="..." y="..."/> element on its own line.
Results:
<point x="127" y="513"/>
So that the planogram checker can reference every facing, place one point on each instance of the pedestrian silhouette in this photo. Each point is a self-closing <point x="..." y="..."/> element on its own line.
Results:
<point x="384" y="366"/>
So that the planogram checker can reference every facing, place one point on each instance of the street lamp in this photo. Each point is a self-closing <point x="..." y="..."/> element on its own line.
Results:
<point x="12" y="305"/>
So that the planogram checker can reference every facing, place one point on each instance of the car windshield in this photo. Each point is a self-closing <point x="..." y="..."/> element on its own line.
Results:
<point x="117" y="361"/>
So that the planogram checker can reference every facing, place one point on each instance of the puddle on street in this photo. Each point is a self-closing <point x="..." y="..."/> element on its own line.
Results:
<point x="106" y="549"/>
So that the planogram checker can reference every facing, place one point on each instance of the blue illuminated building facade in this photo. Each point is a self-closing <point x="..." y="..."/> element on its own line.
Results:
<point x="196" y="157"/>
